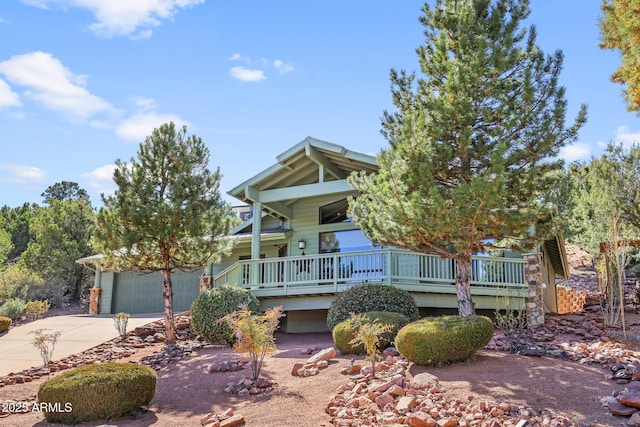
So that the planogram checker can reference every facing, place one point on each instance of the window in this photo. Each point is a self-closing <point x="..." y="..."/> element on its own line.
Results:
<point x="345" y="241"/>
<point x="334" y="213"/>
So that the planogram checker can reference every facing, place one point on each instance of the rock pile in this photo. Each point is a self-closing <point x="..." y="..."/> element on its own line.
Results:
<point x="314" y="364"/>
<point x="626" y="402"/>
<point x="225" y="419"/>
<point x="247" y="386"/>
<point x="579" y="337"/>
<point x="394" y="398"/>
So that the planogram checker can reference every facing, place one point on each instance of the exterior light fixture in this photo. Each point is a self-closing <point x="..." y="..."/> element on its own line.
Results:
<point x="302" y="244"/>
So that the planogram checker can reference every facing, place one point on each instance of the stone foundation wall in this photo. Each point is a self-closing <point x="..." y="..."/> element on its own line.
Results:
<point x="94" y="300"/>
<point x="570" y="300"/>
<point x="534" y="304"/>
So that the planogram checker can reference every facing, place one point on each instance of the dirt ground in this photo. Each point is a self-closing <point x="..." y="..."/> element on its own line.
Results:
<point x="186" y="391"/>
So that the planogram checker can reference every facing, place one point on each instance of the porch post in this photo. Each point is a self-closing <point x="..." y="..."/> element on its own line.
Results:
<point x="534" y="302"/>
<point x="255" y="242"/>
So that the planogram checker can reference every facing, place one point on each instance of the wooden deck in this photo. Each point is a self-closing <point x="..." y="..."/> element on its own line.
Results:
<point x="428" y="277"/>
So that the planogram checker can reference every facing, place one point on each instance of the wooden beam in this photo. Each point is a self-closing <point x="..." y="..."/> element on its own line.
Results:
<point x="304" y="191"/>
<point x="321" y="160"/>
<point x="252" y="194"/>
<point x="279" y="209"/>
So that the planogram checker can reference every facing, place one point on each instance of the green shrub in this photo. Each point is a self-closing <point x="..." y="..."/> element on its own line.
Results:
<point x="439" y="340"/>
<point x="13" y="308"/>
<point x="14" y="280"/>
<point x="371" y="297"/>
<point x="345" y="331"/>
<point x="37" y="309"/>
<point x="94" y="392"/>
<point x="53" y="290"/>
<point x="5" y="322"/>
<point x="211" y="306"/>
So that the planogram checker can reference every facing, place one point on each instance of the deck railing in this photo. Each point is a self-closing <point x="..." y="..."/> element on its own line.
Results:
<point x="335" y="271"/>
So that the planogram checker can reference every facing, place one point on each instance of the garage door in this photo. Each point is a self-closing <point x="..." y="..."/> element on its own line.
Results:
<point x="142" y="293"/>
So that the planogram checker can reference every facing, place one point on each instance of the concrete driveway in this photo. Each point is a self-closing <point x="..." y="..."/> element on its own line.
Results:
<point x="79" y="332"/>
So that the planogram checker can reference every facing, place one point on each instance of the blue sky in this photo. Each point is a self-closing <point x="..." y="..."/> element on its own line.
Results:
<point x="82" y="82"/>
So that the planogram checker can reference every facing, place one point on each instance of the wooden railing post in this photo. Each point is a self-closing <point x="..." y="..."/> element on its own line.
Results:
<point x="336" y="271"/>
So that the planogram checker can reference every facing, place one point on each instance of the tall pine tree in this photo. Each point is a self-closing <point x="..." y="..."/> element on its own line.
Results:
<point x="167" y="212"/>
<point x="471" y="143"/>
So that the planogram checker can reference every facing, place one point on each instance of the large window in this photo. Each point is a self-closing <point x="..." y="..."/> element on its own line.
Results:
<point x="334" y="213"/>
<point x="345" y="241"/>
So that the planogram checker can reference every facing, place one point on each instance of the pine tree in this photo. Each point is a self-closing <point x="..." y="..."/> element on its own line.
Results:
<point x="620" y="28"/>
<point x="472" y="143"/>
<point x="167" y="212"/>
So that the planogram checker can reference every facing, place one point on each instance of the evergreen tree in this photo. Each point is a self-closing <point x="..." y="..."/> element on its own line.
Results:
<point x="167" y="212"/>
<point x="5" y="241"/>
<point x="60" y="234"/>
<point x="606" y="188"/>
<point x="17" y="224"/>
<point x="472" y="143"/>
<point x="620" y="28"/>
<point x="63" y="190"/>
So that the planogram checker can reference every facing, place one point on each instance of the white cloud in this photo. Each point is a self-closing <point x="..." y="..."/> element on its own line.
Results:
<point x="8" y="98"/>
<point x="238" y="57"/>
<point x="247" y="74"/>
<point x="3" y="21"/>
<point x="625" y="136"/>
<point x="133" y="18"/>
<point x="21" y="175"/>
<point x="139" y="126"/>
<point x="577" y="151"/>
<point x="256" y="74"/>
<point x="282" y="67"/>
<point x="101" y="179"/>
<point x="143" y="103"/>
<point x="53" y="85"/>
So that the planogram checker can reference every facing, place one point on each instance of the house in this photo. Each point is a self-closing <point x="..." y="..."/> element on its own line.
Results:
<point x="297" y="248"/>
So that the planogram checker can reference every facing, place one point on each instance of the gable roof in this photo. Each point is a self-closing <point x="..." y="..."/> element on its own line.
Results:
<point x="310" y="165"/>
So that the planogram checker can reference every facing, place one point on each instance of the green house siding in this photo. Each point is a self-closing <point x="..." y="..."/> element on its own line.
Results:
<point x="106" y="284"/>
<point x="142" y="293"/>
<point x="305" y="224"/>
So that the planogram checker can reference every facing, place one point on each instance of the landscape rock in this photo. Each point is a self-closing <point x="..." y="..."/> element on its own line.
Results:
<point x="233" y="421"/>
<point x="326" y="354"/>
<point x="314" y="364"/>
<point x="631" y="400"/>
<point x="617" y="408"/>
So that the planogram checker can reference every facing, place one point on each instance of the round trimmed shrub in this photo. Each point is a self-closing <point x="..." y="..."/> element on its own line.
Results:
<point x="345" y="331"/>
<point x="211" y="306"/>
<point x="438" y="340"/>
<point x="5" y="322"/>
<point x="371" y="297"/>
<point x="95" y="392"/>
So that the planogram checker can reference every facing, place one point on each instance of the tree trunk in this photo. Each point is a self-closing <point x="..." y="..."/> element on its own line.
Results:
<point x="463" y="286"/>
<point x="167" y="293"/>
<point x="79" y="282"/>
